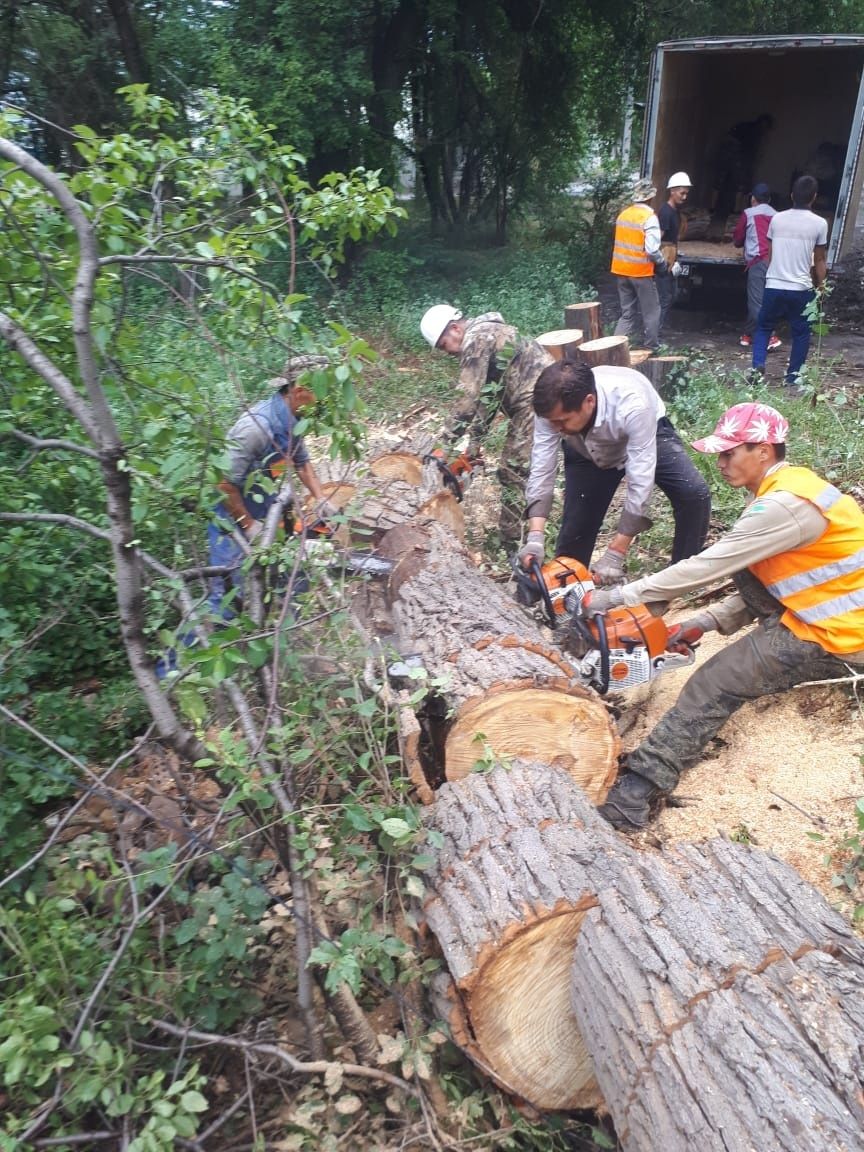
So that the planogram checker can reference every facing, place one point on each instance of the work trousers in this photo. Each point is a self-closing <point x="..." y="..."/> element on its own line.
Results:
<point x="767" y="660"/>
<point x="638" y="294"/>
<point x="777" y="305"/>
<point x="588" y="492"/>
<point x="756" y="274"/>
<point x="665" y="282"/>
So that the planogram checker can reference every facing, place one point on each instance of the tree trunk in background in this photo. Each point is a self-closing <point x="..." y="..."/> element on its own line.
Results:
<point x="723" y="1002"/>
<point x="130" y="44"/>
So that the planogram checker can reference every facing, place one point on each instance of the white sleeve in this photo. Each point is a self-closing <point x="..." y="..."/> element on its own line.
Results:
<point x="544" y="468"/>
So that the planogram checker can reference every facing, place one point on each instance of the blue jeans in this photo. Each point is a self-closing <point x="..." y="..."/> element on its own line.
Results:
<point x="779" y="304"/>
<point x="588" y="492"/>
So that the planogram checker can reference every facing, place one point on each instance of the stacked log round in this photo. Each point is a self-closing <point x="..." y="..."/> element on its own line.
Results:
<point x="586" y="317"/>
<point x="504" y="687"/>
<point x="723" y="1001"/>
<point x="562" y="343"/>
<point x="613" y="350"/>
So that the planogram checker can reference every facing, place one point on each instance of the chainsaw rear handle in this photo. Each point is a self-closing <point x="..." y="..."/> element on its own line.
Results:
<point x="595" y="639"/>
<point x="450" y="479"/>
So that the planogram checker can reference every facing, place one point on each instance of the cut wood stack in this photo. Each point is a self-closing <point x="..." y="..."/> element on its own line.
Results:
<point x="585" y="318"/>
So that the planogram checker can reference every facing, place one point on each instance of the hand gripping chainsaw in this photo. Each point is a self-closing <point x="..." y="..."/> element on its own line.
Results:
<point x="618" y="649"/>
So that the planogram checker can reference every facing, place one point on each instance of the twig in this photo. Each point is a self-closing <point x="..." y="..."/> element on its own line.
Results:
<point x="798" y="808"/>
<point x="303" y="1067"/>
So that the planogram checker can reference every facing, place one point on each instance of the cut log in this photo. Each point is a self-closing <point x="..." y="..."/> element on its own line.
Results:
<point x="562" y="343"/>
<point x="392" y="489"/>
<point x="502" y="687"/>
<point x="585" y="317"/>
<point x="638" y="356"/>
<point x="518" y="869"/>
<point x="662" y="371"/>
<point x="607" y="350"/>
<point x="723" y="1002"/>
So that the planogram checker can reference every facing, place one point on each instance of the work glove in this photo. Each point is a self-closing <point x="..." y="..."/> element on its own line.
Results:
<point x="685" y="636"/>
<point x="676" y="269"/>
<point x="601" y="600"/>
<point x="609" y="569"/>
<point x="532" y="549"/>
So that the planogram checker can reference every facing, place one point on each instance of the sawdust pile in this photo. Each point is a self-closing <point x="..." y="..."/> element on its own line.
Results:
<point x="800" y="748"/>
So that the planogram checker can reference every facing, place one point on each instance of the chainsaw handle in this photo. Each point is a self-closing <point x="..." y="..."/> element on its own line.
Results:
<point x="536" y="570"/>
<point x="599" y="622"/>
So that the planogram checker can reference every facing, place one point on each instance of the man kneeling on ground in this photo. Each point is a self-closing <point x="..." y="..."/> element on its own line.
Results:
<point x="797" y="557"/>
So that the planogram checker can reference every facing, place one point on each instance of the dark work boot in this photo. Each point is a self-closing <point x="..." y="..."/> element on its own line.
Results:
<point x="628" y="804"/>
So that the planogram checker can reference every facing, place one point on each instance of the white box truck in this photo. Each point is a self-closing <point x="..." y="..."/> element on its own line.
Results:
<point x="733" y="111"/>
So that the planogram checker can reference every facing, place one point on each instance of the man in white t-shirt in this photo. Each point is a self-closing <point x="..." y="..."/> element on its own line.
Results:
<point x="797" y="246"/>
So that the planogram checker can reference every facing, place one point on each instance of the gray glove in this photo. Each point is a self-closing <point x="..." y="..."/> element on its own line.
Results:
<point x="601" y="600"/>
<point x="609" y="569"/>
<point x="533" y="548"/>
<point x="253" y="529"/>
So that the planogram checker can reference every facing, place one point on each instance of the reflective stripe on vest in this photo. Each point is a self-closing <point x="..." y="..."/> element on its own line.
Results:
<point x="821" y="585"/>
<point x="628" y="255"/>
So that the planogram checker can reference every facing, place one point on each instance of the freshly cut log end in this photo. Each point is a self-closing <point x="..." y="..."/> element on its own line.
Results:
<point x="638" y="356"/>
<point x="559" y="723"/>
<point x="586" y="317"/>
<point x="562" y="343"/>
<point x="613" y="350"/>
<point x="523" y="855"/>
<point x="398" y="466"/>
<point x="446" y="509"/>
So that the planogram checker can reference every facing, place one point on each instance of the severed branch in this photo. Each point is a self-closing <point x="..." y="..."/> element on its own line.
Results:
<point x="44" y="445"/>
<point x="303" y="1067"/>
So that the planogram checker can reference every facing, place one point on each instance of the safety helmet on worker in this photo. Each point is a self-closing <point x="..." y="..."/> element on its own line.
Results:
<point x="435" y="321"/>
<point x="678" y="180"/>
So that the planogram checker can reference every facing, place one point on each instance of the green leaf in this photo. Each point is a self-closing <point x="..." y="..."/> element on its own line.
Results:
<point x="193" y="1102"/>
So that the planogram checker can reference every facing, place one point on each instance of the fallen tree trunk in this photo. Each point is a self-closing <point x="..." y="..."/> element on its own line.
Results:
<point x="723" y="1002"/>
<point x="717" y="998"/>
<point x="498" y="684"/>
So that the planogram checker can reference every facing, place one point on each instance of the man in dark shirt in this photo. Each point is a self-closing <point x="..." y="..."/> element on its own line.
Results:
<point x="678" y="189"/>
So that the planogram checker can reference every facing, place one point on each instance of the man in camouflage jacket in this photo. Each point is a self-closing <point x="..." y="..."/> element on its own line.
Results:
<point x="497" y="371"/>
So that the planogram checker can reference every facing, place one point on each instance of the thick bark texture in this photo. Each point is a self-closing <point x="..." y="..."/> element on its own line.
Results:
<point x="502" y="686"/>
<point x="660" y="370"/>
<point x="523" y="857"/>
<point x="723" y="1002"/>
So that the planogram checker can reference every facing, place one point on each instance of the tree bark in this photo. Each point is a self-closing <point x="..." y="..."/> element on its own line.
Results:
<point x="607" y="350"/>
<point x="723" y="1002"/>
<point x="638" y="356"/>
<point x="498" y="683"/>
<point x="586" y="317"/>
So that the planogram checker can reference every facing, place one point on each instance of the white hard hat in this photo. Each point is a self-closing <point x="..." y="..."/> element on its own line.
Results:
<point x="679" y="180"/>
<point x="435" y="320"/>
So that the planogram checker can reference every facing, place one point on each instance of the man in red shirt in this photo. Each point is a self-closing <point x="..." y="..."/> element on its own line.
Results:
<point x="751" y="234"/>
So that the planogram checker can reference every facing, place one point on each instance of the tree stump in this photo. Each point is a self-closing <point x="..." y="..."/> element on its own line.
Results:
<point x="723" y="1002"/>
<point x="638" y="356"/>
<point x="562" y="343"/>
<point x="498" y="684"/>
<point x="661" y="370"/>
<point x="585" y="317"/>
<point x="607" y="350"/>
<point x="518" y="869"/>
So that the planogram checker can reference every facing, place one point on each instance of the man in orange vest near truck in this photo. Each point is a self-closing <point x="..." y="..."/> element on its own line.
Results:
<point x="636" y="258"/>
<point x="797" y="557"/>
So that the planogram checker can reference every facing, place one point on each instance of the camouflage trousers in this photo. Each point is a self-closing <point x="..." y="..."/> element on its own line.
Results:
<point x="515" y="461"/>
<point x="767" y="660"/>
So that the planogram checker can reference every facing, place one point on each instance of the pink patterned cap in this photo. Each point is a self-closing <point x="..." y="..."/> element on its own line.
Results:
<point x="745" y="424"/>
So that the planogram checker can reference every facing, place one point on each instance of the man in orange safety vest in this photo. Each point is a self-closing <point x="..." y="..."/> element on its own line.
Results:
<point x="796" y="555"/>
<point x="636" y="259"/>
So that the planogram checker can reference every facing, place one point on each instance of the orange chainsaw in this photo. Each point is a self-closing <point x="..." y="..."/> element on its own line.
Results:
<point x="620" y="648"/>
<point x="456" y="474"/>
